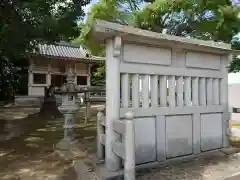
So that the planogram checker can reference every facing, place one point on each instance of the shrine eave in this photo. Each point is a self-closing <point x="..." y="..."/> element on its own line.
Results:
<point x="67" y="52"/>
<point x="87" y="60"/>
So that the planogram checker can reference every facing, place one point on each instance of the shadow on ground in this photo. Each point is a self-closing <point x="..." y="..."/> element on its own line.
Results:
<point x="32" y="156"/>
<point x="209" y="167"/>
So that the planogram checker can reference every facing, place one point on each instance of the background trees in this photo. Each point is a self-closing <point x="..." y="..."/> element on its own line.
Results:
<point x="217" y="20"/>
<point x="25" y="23"/>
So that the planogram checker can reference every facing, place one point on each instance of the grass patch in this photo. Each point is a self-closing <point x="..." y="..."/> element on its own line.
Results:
<point x="233" y="140"/>
<point x="235" y="124"/>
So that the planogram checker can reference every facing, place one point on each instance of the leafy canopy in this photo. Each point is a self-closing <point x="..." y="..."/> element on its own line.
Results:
<point x="121" y="11"/>
<point x="25" y="23"/>
<point x="216" y="20"/>
<point x="206" y="19"/>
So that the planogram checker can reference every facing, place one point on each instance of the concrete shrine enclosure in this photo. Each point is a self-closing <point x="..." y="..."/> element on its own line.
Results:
<point x="181" y="108"/>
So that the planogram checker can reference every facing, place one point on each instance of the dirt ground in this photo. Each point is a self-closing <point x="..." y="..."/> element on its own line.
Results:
<point x="32" y="157"/>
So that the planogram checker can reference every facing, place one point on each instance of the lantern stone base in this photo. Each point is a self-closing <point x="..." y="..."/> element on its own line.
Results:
<point x="68" y="149"/>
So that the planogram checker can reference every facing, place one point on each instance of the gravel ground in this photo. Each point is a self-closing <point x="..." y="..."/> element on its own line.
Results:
<point x="209" y="166"/>
<point x="33" y="156"/>
<point x="214" y="166"/>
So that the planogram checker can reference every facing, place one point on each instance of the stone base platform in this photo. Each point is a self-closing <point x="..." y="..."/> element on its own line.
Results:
<point x="94" y="170"/>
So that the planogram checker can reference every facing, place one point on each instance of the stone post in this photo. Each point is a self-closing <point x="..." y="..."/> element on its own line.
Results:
<point x="230" y="111"/>
<point x="49" y="77"/>
<point x="113" y="56"/>
<point x="129" y="144"/>
<point x="88" y="105"/>
<point x="30" y="77"/>
<point x="100" y="130"/>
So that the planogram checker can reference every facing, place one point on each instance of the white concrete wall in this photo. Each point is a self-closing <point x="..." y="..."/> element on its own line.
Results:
<point x="195" y="101"/>
<point x="234" y="94"/>
<point x="37" y="91"/>
<point x="180" y="124"/>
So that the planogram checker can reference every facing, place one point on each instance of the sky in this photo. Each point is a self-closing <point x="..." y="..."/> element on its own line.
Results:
<point x="233" y="77"/>
<point x="88" y="7"/>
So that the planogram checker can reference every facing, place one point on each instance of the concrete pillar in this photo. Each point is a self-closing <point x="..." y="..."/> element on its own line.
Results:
<point x="225" y="60"/>
<point x="113" y="55"/>
<point x="75" y="80"/>
<point x="88" y="106"/>
<point x="30" y="82"/>
<point x="75" y="71"/>
<point x="49" y="78"/>
<point x="89" y="75"/>
<point x="100" y="130"/>
<point x="30" y="78"/>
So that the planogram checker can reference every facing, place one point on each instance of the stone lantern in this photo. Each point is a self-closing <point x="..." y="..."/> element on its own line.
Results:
<point x="68" y="108"/>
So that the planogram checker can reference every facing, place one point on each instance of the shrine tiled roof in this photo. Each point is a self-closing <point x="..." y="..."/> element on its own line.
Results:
<point x="65" y="50"/>
<point x="62" y="49"/>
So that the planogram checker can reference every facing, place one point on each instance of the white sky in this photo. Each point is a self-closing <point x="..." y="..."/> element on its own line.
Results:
<point x="234" y="78"/>
<point x="87" y="8"/>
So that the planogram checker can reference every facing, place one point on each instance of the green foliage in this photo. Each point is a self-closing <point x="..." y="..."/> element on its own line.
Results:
<point x="235" y="64"/>
<point x="25" y="23"/>
<point x="98" y="75"/>
<point x="191" y="18"/>
<point x="104" y="9"/>
<point x="28" y="22"/>
<point x="110" y="10"/>
<point x="121" y="11"/>
<point x="216" y="20"/>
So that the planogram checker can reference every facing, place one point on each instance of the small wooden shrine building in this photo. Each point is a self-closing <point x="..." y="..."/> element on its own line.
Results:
<point x="52" y="62"/>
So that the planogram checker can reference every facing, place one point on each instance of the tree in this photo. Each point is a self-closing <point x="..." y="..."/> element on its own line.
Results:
<point x="26" y="23"/>
<point x="216" y="20"/>
<point x="235" y="64"/>
<point x="208" y="20"/>
<point x="120" y="11"/>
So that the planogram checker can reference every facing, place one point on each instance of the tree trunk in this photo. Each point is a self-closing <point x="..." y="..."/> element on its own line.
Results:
<point x="49" y="108"/>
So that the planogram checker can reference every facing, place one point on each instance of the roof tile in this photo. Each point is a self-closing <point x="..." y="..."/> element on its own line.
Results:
<point x="61" y="51"/>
